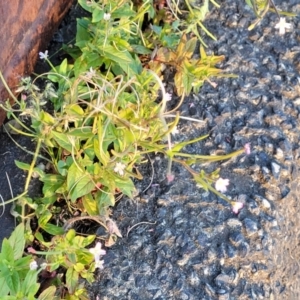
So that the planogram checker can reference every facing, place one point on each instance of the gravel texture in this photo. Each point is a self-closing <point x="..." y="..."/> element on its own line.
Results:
<point x="180" y="242"/>
<point x="197" y="247"/>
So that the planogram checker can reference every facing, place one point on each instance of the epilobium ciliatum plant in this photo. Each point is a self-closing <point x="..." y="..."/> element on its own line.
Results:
<point x="262" y="7"/>
<point x="106" y="117"/>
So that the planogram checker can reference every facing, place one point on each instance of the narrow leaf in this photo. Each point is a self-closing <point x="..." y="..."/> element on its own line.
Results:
<point x="47" y="294"/>
<point x="71" y="280"/>
<point x="17" y="241"/>
<point x="53" y="229"/>
<point x="62" y="140"/>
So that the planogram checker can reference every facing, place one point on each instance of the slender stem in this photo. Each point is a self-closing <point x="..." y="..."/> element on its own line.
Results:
<point x="13" y="199"/>
<point x="7" y="87"/>
<point x="30" y="172"/>
<point x="201" y="181"/>
<point x="210" y="157"/>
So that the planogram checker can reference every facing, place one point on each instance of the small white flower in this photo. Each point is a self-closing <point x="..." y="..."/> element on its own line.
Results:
<point x="119" y="168"/>
<point x="236" y="206"/>
<point x="43" y="55"/>
<point x="91" y="73"/>
<point x="97" y="251"/>
<point x="247" y="148"/>
<point x="168" y="96"/>
<point x="170" y="177"/>
<point x="106" y="16"/>
<point x="33" y="265"/>
<point x="44" y="265"/>
<point x="221" y="185"/>
<point x="175" y="130"/>
<point x="99" y="264"/>
<point x="282" y="25"/>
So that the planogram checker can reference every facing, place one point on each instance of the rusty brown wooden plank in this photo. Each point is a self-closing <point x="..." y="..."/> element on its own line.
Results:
<point x="26" y="28"/>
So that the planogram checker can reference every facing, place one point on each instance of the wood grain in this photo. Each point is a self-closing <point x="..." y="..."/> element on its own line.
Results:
<point x="26" y="28"/>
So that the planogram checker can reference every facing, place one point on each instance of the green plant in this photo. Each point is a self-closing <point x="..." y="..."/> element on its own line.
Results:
<point x="106" y="118"/>
<point x="19" y="274"/>
<point x="262" y="7"/>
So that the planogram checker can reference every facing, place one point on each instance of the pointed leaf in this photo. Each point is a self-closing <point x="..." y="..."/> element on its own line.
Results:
<point x="13" y="281"/>
<point x="53" y="229"/>
<point x="17" y="241"/>
<point x="79" y="182"/>
<point x="47" y="294"/>
<point x="71" y="280"/>
<point x="3" y="287"/>
<point x="62" y="140"/>
<point x="30" y="285"/>
<point x="22" y="166"/>
<point x="97" y="15"/>
<point x="7" y="251"/>
<point x="90" y="205"/>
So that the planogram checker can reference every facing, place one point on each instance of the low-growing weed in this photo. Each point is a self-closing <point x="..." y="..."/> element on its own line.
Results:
<point x="108" y="111"/>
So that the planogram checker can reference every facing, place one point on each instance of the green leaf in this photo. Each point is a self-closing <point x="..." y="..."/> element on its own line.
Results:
<point x="79" y="182"/>
<point x="139" y="49"/>
<point x="48" y="293"/>
<point x="179" y="146"/>
<point x="204" y="9"/>
<point x="17" y="241"/>
<point x="101" y="153"/>
<point x="47" y="118"/>
<point x="74" y="52"/>
<point x="124" y="12"/>
<point x="97" y="15"/>
<point x="82" y="34"/>
<point x="53" y="229"/>
<point x="40" y="238"/>
<point x="51" y="183"/>
<point x="82" y="132"/>
<point x="126" y="186"/>
<point x="110" y="52"/>
<point x="157" y="29"/>
<point x="63" y="67"/>
<point x="189" y="47"/>
<point x="91" y="59"/>
<point x="23" y="263"/>
<point x="44" y="218"/>
<point x="63" y="140"/>
<point x="87" y="241"/>
<point x="104" y="200"/>
<point x="7" y="252"/>
<point x="13" y="281"/>
<point x="30" y="285"/>
<point x="62" y="167"/>
<point x="71" y="280"/>
<point x="22" y="166"/>
<point x="3" y="286"/>
<point x="85" y="257"/>
<point x="74" y="110"/>
<point x="187" y="80"/>
<point x="83" y="187"/>
<point x="90" y="204"/>
<point x="80" y="66"/>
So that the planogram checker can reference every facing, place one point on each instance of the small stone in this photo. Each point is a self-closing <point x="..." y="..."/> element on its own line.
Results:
<point x="250" y="226"/>
<point x="236" y="238"/>
<point x="275" y="169"/>
<point x="222" y="279"/>
<point x="244" y="249"/>
<point x="231" y="251"/>
<point x="266" y="203"/>
<point x="234" y="223"/>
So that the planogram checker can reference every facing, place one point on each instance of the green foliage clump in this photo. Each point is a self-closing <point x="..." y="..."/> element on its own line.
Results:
<point x="105" y="118"/>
